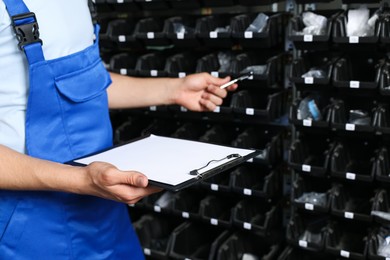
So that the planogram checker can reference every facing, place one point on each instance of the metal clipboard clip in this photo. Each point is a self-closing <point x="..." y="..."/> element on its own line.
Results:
<point x="200" y="172"/>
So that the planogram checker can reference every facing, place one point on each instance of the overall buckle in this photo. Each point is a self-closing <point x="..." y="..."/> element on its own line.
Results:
<point x="28" y="31"/>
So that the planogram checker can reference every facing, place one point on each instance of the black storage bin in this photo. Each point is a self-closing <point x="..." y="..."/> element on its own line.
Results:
<point x="377" y="244"/>
<point x="190" y="131"/>
<point x="354" y="160"/>
<point x="313" y="69"/>
<point x="159" y="126"/>
<point x="195" y="241"/>
<point x="105" y="43"/>
<point x="253" y="102"/>
<point x="217" y="64"/>
<point x="243" y="245"/>
<point x="358" y="71"/>
<point x="348" y="240"/>
<point x="128" y="129"/>
<point x="121" y="32"/>
<point x="186" y="203"/>
<point x="124" y="64"/>
<point x="310" y="155"/>
<point x="154" y="234"/>
<point x="307" y="231"/>
<point x="219" y="134"/>
<point x="271" y="35"/>
<point x="345" y="42"/>
<point x="215" y="31"/>
<point x="380" y="212"/>
<point x="311" y="194"/>
<point x="259" y="217"/>
<point x="255" y="180"/>
<point x="352" y="202"/>
<point x="161" y="202"/>
<point x="310" y="41"/>
<point x="353" y="114"/>
<point x="382" y="163"/>
<point x="294" y="253"/>
<point x="384" y="80"/>
<point x="312" y="1"/>
<point x="152" y="4"/>
<point x="321" y="120"/>
<point x="219" y="182"/>
<point x="180" y="64"/>
<point x="181" y="30"/>
<point x="217" y="210"/>
<point x="151" y="65"/>
<point x="150" y="31"/>
<point x="217" y="3"/>
<point x="382" y="118"/>
<point x="184" y="4"/>
<point x="269" y="140"/>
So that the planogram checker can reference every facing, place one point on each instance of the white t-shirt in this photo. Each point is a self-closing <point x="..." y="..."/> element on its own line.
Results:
<point x="65" y="27"/>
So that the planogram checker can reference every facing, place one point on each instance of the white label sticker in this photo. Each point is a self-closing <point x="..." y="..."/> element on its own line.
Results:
<point x="121" y="38"/>
<point x="217" y="109"/>
<point x="214" y="187"/>
<point x="153" y="108"/>
<point x="214" y="222"/>
<point x="250" y="111"/>
<point x="344" y="253"/>
<point x="180" y="36"/>
<point x="309" y="206"/>
<point x="307" y="38"/>
<point x="302" y="243"/>
<point x="348" y="215"/>
<point x="153" y="73"/>
<point x="307" y="122"/>
<point x="350" y="127"/>
<point x="157" y="209"/>
<point x="182" y="74"/>
<point x="354" y="39"/>
<point x="185" y="214"/>
<point x="247" y="192"/>
<point x="250" y="160"/>
<point x="248" y="35"/>
<point x="120" y="1"/>
<point x="354" y="84"/>
<point x="306" y="168"/>
<point x="350" y="176"/>
<point x="150" y="35"/>
<point x="215" y="74"/>
<point x="309" y="80"/>
<point x="247" y="226"/>
<point x="131" y="205"/>
<point x="183" y="109"/>
<point x="147" y="251"/>
<point x="213" y="34"/>
<point x="123" y="71"/>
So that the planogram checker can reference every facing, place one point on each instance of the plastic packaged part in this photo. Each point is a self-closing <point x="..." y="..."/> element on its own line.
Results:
<point x="222" y="29"/>
<point x="248" y="256"/>
<point x="255" y="69"/>
<point x="181" y="28"/>
<point x="315" y="24"/>
<point x="315" y="73"/>
<point x="384" y="247"/>
<point x="359" y="117"/>
<point x="308" y="109"/>
<point x="381" y="214"/>
<point x="308" y="236"/>
<point x="258" y="24"/>
<point x="225" y="60"/>
<point x="315" y="198"/>
<point x="359" y="23"/>
<point x="165" y="200"/>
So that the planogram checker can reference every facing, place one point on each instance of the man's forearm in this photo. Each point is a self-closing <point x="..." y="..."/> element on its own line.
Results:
<point x="131" y="92"/>
<point x="22" y="172"/>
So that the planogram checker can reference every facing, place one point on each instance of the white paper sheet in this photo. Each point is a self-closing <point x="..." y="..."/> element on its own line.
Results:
<point x="165" y="159"/>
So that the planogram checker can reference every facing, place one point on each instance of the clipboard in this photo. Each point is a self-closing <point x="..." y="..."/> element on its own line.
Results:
<point x="171" y="163"/>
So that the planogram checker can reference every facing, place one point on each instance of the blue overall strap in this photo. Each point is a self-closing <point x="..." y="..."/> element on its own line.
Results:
<point x="26" y="28"/>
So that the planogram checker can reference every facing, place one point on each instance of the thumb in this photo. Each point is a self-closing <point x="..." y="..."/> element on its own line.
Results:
<point x="218" y="81"/>
<point x="132" y="178"/>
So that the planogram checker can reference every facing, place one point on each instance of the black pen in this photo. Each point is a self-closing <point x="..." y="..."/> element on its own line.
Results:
<point x="249" y="75"/>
